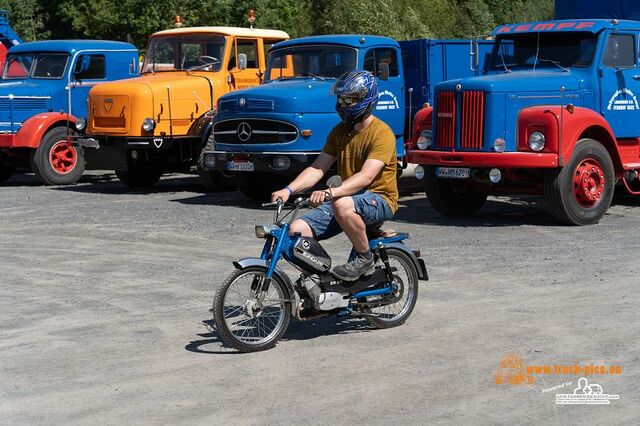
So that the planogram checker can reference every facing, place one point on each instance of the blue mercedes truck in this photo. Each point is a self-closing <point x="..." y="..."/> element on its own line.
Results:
<point x="556" y="114"/>
<point x="267" y="134"/>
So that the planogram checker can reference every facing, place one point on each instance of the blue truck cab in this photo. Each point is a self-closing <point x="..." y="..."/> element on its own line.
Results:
<point x="555" y="114"/>
<point x="43" y="92"/>
<point x="265" y="135"/>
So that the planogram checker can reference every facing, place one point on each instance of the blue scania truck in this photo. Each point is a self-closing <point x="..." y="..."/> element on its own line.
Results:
<point x="267" y="134"/>
<point x="556" y="113"/>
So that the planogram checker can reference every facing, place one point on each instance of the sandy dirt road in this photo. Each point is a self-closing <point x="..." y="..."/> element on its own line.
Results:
<point x="105" y="297"/>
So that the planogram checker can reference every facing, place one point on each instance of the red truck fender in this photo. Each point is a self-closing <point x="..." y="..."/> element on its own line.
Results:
<point x="422" y="120"/>
<point x="563" y="127"/>
<point x="33" y="130"/>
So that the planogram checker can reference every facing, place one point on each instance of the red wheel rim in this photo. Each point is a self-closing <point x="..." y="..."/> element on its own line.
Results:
<point x="63" y="157"/>
<point x="588" y="183"/>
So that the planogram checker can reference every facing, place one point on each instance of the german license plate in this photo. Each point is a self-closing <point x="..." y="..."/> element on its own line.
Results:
<point x="452" y="173"/>
<point x="240" y="166"/>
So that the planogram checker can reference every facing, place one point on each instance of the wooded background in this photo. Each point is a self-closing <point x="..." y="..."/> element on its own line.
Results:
<point x="135" y="20"/>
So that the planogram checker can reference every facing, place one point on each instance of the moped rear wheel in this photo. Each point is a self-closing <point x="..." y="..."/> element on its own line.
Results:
<point x="394" y="309"/>
<point x="244" y="320"/>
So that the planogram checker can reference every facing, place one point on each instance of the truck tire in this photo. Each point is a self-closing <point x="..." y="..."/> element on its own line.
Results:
<point x="215" y="180"/>
<point x="6" y="171"/>
<point x="141" y="173"/>
<point x="56" y="161"/>
<point x="259" y="186"/>
<point x="452" y="197"/>
<point x="580" y="192"/>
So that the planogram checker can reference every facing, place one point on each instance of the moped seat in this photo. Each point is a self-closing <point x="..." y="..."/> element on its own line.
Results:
<point x="375" y="230"/>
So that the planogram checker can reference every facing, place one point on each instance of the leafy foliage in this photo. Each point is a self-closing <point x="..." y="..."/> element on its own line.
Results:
<point x="134" y="20"/>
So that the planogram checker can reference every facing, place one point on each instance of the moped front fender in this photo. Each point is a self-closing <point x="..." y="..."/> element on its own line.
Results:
<point x="255" y="261"/>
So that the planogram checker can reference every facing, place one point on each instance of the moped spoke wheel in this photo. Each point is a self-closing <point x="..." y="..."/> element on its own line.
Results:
<point x="393" y="309"/>
<point x="246" y="318"/>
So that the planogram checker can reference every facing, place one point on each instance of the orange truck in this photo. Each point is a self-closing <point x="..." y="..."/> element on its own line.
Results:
<point x="160" y="121"/>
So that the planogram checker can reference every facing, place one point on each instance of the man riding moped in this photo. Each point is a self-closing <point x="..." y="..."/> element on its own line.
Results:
<point x="365" y="150"/>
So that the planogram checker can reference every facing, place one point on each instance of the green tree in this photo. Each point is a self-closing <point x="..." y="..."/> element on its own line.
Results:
<point x="27" y="18"/>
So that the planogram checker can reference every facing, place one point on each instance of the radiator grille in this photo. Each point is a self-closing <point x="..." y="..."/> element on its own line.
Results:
<point x="446" y="120"/>
<point x="472" y="124"/>
<point x="254" y="131"/>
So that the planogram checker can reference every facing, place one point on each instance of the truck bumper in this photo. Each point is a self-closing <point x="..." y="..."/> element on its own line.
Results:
<point x="111" y="152"/>
<point x="227" y="161"/>
<point x="507" y="160"/>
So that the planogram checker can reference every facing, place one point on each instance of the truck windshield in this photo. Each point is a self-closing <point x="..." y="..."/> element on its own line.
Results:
<point x="311" y="61"/>
<point x="184" y="52"/>
<point x="538" y="50"/>
<point x="35" y="65"/>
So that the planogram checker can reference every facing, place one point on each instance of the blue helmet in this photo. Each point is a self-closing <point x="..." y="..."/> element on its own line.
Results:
<point x="357" y="95"/>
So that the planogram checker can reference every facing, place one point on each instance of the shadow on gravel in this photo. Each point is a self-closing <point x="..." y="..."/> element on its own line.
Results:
<point x="211" y="343"/>
<point x="222" y="199"/>
<point x="495" y="213"/>
<point x="110" y="185"/>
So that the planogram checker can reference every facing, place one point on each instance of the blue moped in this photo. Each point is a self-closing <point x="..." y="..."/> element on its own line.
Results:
<point x="253" y="306"/>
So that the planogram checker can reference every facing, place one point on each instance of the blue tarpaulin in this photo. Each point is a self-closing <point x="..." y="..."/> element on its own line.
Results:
<point x="591" y="9"/>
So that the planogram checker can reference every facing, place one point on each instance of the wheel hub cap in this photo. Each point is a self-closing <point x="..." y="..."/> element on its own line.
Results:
<point x="63" y="157"/>
<point x="588" y="183"/>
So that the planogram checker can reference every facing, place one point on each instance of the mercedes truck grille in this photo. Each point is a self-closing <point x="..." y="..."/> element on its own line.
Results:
<point x="253" y="131"/>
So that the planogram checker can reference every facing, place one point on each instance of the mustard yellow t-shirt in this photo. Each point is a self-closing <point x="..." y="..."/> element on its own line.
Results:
<point x="352" y="149"/>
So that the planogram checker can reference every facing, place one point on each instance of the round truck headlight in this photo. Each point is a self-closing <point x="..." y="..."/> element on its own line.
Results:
<point x="209" y="161"/>
<point x="81" y="124"/>
<point x="499" y="145"/>
<point x="419" y="172"/>
<point x="148" y="124"/>
<point x="281" y="162"/>
<point x="495" y="175"/>
<point x="425" y="140"/>
<point x="537" y="141"/>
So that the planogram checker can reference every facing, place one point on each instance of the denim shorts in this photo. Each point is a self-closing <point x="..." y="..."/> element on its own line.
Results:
<point x="370" y="206"/>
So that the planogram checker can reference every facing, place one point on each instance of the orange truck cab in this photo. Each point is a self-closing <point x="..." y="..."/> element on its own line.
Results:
<point x="160" y="121"/>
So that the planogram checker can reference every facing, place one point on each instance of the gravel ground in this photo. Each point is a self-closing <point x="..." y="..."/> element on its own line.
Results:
<point x="105" y="297"/>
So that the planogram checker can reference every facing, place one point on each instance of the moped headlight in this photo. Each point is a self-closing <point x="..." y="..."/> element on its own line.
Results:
<point x="537" y="141"/>
<point x="81" y="124"/>
<point x="148" y="124"/>
<point x="425" y="140"/>
<point x="262" y="231"/>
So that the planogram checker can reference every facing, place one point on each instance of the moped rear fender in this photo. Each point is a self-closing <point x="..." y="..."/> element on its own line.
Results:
<point x="418" y="262"/>
<point x="255" y="261"/>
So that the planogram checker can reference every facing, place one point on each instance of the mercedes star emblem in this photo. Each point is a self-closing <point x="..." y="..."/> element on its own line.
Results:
<point x="244" y="131"/>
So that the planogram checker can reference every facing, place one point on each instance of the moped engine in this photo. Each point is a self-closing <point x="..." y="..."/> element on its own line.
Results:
<point x="310" y="256"/>
<point x="325" y="301"/>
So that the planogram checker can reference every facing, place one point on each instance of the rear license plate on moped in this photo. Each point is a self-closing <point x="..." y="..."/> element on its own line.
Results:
<point x="453" y="172"/>
<point x="240" y="166"/>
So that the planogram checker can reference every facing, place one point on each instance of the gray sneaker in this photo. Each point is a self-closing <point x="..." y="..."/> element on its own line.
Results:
<point x="353" y="270"/>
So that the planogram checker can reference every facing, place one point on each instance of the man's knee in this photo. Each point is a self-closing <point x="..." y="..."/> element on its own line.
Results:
<point x="302" y="227"/>
<point x="343" y="207"/>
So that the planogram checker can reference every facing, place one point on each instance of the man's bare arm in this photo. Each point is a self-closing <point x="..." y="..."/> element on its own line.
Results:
<point x="370" y="169"/>
<point x="312" y="174"/>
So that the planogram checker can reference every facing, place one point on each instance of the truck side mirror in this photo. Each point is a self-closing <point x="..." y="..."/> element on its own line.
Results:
<point x="242" y="61"/>
<point x="474" y="56"/>
<point x="383" y="71"/>
<point x="82" y="65"/>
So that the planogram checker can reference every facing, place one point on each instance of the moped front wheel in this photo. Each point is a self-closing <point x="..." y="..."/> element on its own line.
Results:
<point x="393" y="309"/>
<point x="246" y="318"/>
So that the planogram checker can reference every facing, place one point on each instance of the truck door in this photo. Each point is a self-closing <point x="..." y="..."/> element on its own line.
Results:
<point x="250" y="76"/>
<point x="620" y="84"/>
<point x="88" y="70"/>
<point x="390" y="108"/>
